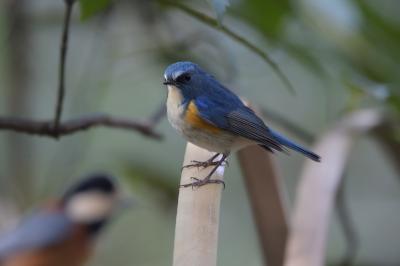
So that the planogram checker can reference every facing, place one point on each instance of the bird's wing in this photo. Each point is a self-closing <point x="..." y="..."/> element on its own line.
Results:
<point x="237" y="119"/>
<point x="39" y="230"/>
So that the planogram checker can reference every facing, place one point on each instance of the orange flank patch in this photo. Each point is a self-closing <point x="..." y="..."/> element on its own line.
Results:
<point x="193" y="118"/>
<point x="73" y="251"/>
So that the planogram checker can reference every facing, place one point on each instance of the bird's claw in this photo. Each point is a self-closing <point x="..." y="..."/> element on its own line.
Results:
<point x="199" y="164"/>
<point x="201" y="182"/>
<point x="203" y="164"/>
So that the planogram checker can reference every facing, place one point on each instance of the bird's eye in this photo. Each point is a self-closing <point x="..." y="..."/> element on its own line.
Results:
<point x="183" y="78"/>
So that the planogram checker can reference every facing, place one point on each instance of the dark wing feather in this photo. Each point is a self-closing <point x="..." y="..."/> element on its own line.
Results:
<point x="245" y="123"/>
<point x="237" y="119"/>
<point x="38" y="231"/>
<point x="225" y="110"/>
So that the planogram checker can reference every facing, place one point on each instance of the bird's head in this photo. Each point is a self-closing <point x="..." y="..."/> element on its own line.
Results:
<point x="188" y="77"/>
<point x="91" y="201"/>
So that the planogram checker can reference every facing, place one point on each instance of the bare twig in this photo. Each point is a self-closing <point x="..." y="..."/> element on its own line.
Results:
<point x="63" y="55"/>
<point x="46" y="127"/>
<point x="240" y="39"/>
<point x="55" y="128"/>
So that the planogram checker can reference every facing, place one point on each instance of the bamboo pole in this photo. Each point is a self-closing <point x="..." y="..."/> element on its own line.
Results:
<point x="268" y="202"/>
<point x="317" y="189"/>
<point x="197" y="218"/>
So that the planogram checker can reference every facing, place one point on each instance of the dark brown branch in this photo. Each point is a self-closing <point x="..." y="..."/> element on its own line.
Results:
<point x="63" y="55"/>
<point x="348" y="226"/>
<point x="55" y="128"/>
<point x="46" y="127"/>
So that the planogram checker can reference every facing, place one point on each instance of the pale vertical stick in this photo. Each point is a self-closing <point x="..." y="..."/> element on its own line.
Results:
<point x="317" y="190"/>
<point x="197" y="218"/>
<point x="268" y="201"/>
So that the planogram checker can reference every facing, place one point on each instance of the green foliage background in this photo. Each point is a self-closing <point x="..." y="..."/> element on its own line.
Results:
<point x="339" y="56"/>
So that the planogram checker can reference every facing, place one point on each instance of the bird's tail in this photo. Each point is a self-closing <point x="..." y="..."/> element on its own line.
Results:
<point x="294" y="146"/>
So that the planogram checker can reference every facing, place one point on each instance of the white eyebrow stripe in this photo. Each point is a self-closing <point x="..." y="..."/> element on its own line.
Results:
<point x="177" y="74"/>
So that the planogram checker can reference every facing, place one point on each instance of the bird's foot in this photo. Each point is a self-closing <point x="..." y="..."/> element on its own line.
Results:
<point x="201" y="182"/>
<point x="199" y="164"/>
<point x="205" y="164"/>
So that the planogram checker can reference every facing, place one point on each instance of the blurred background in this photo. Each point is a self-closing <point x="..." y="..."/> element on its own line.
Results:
<point x="340" y="56"/>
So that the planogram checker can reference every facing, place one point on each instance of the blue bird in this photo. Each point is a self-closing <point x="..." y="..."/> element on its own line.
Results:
<point x="62" y="232"/>
<point x="211" y="116"/>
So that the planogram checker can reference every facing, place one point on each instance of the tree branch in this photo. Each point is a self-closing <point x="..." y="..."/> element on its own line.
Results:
<point x="63" y="55"/>
<point x="55" y="128"/>
<point x="46" y="127"/>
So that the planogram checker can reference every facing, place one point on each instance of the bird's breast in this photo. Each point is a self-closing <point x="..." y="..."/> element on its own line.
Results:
<point x="193" y="118"/>
<point x="186" y="120"/>
<point x="175" y="108"/>
<point x="185" y="116"/>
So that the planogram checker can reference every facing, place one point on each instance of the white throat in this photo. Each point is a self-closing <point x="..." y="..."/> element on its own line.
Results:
<point x="89" y="207"/>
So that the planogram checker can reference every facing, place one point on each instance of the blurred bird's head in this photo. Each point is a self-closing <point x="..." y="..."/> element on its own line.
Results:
<point x="188" y="78"/>
<point x="91" y="201"/>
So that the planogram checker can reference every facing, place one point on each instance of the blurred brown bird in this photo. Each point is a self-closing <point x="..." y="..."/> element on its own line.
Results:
<point x="62" y="233"/>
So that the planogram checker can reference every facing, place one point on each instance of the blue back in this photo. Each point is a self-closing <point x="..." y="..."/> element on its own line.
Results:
<point x="40" y="230"/>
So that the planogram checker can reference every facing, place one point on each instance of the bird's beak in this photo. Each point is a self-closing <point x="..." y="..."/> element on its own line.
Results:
<point x="166" y="82"/>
